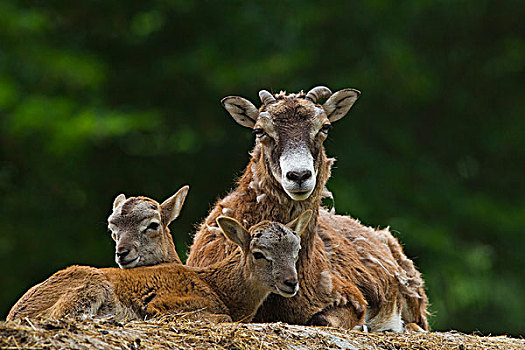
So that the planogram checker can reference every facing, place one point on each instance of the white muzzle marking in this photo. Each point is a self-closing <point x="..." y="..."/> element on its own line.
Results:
<point x="297" y="160"/>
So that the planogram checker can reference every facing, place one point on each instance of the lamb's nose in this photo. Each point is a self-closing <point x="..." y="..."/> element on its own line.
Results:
<point x="122" y="254"/>
<point x="299" y="176"/>
<point x="291" y="283"/>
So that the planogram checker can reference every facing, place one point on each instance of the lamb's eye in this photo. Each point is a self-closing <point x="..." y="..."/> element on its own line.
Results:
<point x="153" y="226"/>
<point x="259" y="132"/>
<point x="325" y="128"/>
<point x="258" y="255"/>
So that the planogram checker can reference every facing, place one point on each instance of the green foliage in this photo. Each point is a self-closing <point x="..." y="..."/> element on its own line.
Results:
<point x="103" y="97"/>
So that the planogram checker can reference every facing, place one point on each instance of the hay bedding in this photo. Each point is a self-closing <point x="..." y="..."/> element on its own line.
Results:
<point x="180" y="333"/>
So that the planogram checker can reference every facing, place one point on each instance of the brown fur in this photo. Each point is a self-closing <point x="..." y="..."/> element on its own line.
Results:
<point x="139" y="227"/>
<point x="259" y="196"/>
<point x="229" y="290"/>
<point x="80" y="291"/>
<point x="333" y="287"/>
<point x="313" y="296"/>
<point x="388" y="279"/>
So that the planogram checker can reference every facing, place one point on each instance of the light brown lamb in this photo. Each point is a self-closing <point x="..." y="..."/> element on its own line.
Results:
<point x="139" y="227"/>
<point x="286" y="175"/>
<point x="230" y="290"/>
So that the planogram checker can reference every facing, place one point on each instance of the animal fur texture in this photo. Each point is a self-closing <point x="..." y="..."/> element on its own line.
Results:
<point x="139" y="227"/>
<point x="229" y="290"/>
<point x="339" y="277"/>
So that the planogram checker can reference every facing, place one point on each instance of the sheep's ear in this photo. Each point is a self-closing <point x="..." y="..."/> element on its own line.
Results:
<point x="242" y="110"/>
<point x="234" y="231"/>
<point x="340" y="103"/>
<point x="119" y="200"/>
<point x="300" y="224"/>
<point x="172" y="206"/>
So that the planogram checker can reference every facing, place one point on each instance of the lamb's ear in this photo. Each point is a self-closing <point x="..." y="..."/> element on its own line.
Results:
<point x="242" y="110"/>
<point x="340" y="103"/>
<point x="172" y="206"/>
<point x="300" y="224"/>
<point x="234" y="231"/>
<point x="119" y="200"/>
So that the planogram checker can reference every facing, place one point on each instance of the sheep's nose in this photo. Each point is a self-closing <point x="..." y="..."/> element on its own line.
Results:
<point x="291" y="283"/>
<point x="122" y="254"/>
<point x="299" y="176"/>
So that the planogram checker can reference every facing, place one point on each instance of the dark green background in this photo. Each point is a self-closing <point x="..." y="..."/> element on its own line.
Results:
<point x="103" y="97"/>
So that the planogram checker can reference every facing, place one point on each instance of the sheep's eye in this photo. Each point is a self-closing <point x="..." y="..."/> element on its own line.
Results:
<point x="326" y="128"/>
<point x="259" y="132"/>
<point x="153" y="226"/>
<point x="258" y="255"/>
<point x="113" y="234"/>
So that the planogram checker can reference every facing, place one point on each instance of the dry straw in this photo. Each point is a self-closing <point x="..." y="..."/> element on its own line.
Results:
<point x="180" y="332"/>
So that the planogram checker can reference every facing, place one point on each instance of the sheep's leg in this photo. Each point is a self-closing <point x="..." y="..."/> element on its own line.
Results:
<point x="400" y="313"/>
<point x="217" y="318"/>
<point x="413" y="312"/>
<point x="361" y="328"/>
<point x="75" y="292"/>
<point x="339" y="316"/>
<point x="347" y="309"/>
<point x="81" y="301"/>
<point x="387" y="317"/>
<point x="204" y="308"/>
<point x="413" y="327"/>
<point x="415" y="302"/>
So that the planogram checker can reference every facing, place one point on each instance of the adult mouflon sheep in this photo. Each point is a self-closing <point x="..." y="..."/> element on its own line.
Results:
<point x="286" y="175"/>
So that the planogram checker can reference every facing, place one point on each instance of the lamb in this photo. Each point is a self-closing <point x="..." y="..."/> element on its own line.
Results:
<point x="230" y="290"/>
<point x="139" y="227"/>
<point x="286" y="174"/>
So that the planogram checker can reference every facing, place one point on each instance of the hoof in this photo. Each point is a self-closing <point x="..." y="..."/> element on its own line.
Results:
<point x="362" y="328"/>
<point x="413" y="327"/>
<point x="318" y="320"/>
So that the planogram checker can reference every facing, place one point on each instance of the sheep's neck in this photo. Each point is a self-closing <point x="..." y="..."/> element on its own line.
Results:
<point x="263" y="197"/>
<point x="170" y="253"/>
<point x="237" y="290"/>
<point x="258" y="196"/>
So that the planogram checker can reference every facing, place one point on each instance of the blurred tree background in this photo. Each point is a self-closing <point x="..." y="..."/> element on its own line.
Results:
<point x="105" y="97"/>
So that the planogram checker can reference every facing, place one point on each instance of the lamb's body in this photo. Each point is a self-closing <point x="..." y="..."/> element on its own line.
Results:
<point x="125" y="294"/>
<point x="271" y="188"/>
<point x="74" y="291"/>
<point x="229" y="290"/>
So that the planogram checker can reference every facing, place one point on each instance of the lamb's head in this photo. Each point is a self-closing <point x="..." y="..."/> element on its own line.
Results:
<point x="291" y="129"/>
<point x="270" y="251"/>
<point x="139" y="227"/>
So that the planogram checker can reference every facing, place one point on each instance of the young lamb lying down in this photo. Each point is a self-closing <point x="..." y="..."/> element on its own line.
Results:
<point x="230" y="290"/>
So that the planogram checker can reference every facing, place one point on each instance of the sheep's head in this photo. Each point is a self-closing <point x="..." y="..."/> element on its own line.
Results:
<point x="139" y="227"/>
<point x="270" y="251"/>
<point x="291" y="130"/>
